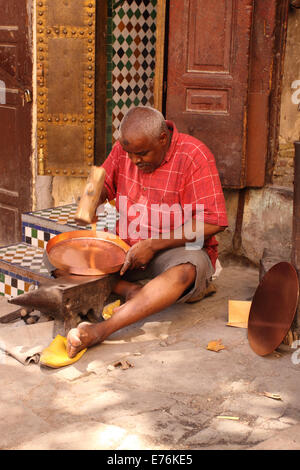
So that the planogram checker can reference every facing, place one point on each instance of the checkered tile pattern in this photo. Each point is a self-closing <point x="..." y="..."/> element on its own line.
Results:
<point x="134" y="27"/>
<point x="12" y="285"/>
<point x="37" y="236"/>
<point x="64" y="215"/>
<point x="61" y="215"/>
<point x="25" y="256"/>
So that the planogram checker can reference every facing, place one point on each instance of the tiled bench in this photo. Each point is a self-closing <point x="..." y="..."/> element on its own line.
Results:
<point x="21" y="264"/>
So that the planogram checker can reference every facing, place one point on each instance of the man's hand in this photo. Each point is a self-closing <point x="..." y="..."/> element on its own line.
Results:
<point x="138" y="256"/>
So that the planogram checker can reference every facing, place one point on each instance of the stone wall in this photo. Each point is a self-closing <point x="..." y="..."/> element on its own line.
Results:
<point x="267" y="224"/>
<point x="290" y="105"/>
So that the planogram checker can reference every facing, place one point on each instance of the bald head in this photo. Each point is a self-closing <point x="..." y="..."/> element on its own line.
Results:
<point x="142" y="121"/>
<point x="145" y="137"/>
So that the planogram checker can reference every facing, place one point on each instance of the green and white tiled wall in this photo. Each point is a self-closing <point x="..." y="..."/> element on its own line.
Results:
<point x="131" y="59"/>
<point x="12" y="284"/>
<point x="21" y="266"/>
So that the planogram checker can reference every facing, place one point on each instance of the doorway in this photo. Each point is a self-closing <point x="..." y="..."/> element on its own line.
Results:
<point x="15" y="118"/>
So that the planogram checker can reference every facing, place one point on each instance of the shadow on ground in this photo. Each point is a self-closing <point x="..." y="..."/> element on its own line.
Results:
<point x="176" y="395"/>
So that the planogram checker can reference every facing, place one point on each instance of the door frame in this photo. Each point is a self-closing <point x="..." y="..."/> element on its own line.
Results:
<point x="101" y="83"/>
<point x="159" y="91"/>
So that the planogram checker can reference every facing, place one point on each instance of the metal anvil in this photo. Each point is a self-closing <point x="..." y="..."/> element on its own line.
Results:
<point x="69" y="300"/>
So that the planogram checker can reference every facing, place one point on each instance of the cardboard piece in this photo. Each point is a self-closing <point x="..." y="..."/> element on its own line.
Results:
<point x="238" y="313"/>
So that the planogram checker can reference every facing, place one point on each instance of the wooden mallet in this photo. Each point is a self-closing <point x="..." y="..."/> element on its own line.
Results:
<point x="89" y="201"/>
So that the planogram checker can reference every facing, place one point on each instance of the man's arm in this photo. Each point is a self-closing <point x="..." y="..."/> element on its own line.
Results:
<point x="142" y="252"/>
<point x="187" y="233"/>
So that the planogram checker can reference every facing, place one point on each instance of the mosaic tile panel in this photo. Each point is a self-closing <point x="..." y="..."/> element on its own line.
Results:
<point x="27" y="261"/>
<point x="63" y="215"/>
<point x="12" y="285"/>
<point x="52" y="221"/>
<point x="109" y="68"/>
<point x="133" y="58"/>
<point x="37" y="236"/>
<point x="26" y="257"/>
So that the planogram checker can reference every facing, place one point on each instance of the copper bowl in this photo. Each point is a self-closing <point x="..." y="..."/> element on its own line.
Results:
<point x="87" y="252"/>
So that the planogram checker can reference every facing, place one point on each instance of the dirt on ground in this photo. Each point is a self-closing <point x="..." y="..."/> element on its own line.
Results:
<point x="174" y="394"/>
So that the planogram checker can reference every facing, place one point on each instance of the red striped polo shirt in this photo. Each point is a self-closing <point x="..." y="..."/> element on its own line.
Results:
<point x="187" y="177"/>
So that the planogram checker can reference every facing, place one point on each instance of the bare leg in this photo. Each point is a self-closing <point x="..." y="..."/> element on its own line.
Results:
<point x="158" y="294"/>
<point x="126" y="289"/>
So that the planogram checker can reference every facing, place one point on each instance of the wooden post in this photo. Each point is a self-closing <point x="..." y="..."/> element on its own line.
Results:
<point x="159" y="55"/>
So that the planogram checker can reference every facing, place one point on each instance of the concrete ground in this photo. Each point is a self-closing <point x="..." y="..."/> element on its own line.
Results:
<point x="175" y="396"/>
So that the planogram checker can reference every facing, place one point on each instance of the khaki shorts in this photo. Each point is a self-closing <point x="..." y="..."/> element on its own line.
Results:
<point x="165" y="260"/>
<point x="173" y="257"/>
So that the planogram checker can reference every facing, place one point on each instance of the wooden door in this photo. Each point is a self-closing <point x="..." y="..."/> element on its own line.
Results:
<point x="15" y="118"/>
<point x="208" y="73"/>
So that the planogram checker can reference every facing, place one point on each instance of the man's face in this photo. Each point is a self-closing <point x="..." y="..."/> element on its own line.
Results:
<point x="146" y="153"/>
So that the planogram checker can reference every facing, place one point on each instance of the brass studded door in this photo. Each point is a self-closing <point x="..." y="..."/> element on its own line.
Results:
<point x="65" y="86"/>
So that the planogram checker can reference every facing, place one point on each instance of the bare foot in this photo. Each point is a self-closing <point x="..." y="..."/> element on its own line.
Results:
<point x="85" y="335"/>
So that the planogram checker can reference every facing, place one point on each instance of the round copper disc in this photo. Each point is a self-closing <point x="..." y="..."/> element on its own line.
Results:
<point x="87" y="253"/>
<point x="273" y="308"/>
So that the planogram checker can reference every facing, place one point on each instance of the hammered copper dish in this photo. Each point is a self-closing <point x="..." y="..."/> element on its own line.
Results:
<point x="273" y="308"/>
<point x="87" y="252"/>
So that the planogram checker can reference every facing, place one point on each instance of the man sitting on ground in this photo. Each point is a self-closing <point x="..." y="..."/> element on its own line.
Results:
<point x="152" y="168"/>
